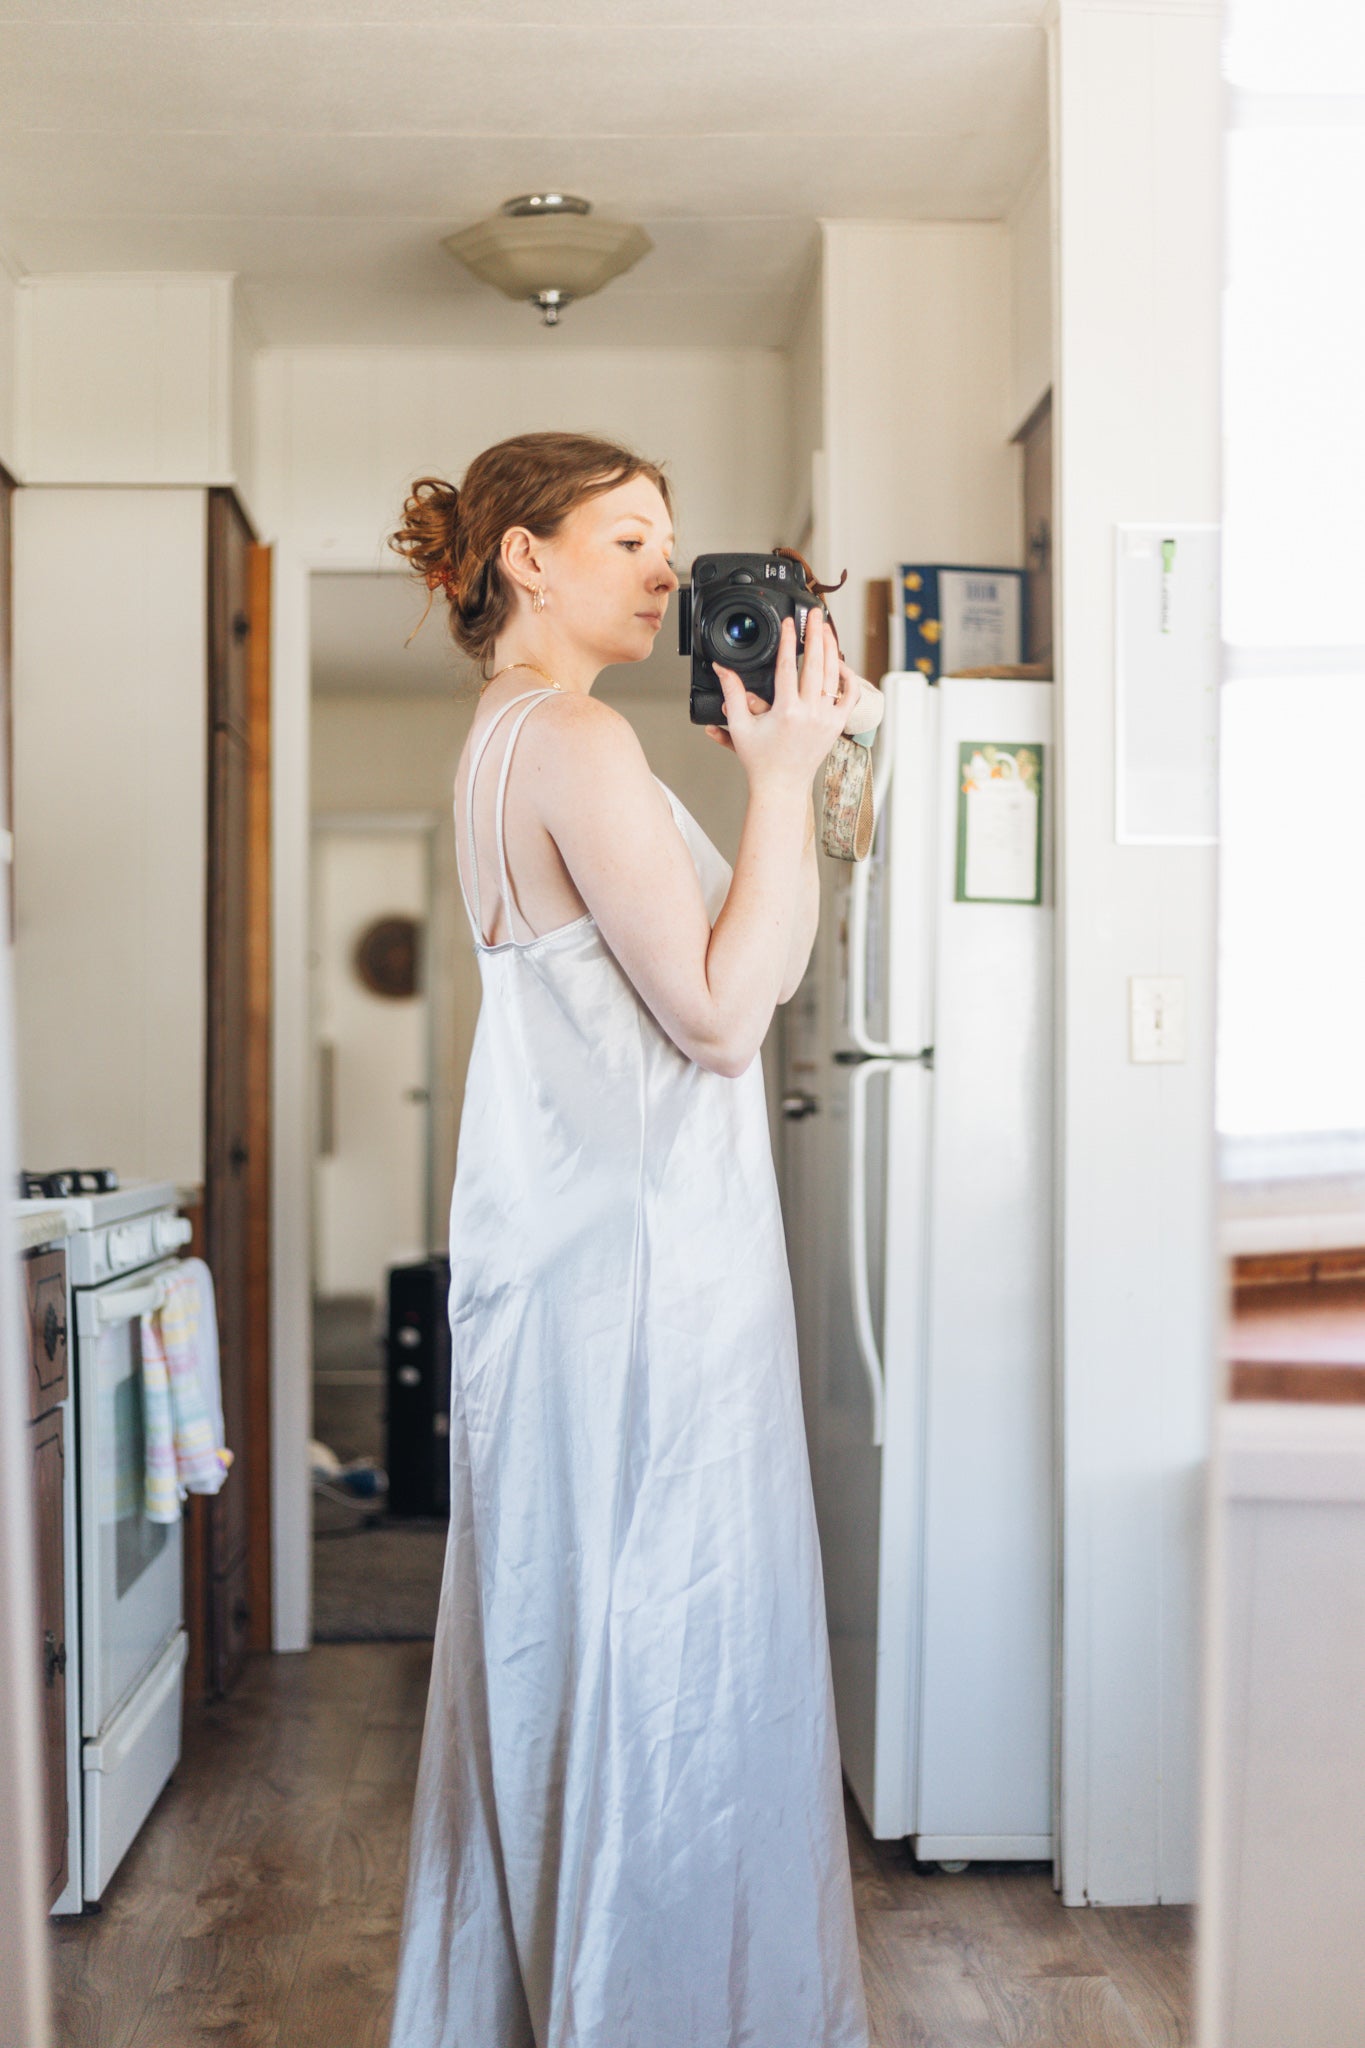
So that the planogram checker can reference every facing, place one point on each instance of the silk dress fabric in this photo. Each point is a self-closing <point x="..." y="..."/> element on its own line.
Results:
<point x="628" y="1825"/>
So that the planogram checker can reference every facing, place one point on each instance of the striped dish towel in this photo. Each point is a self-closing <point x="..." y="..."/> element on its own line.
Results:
<point x="182" y="1405"/>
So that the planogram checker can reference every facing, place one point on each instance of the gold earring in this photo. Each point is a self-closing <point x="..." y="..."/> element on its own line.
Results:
<point x="538" y="599"/>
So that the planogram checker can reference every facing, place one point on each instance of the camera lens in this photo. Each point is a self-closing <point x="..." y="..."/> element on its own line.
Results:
<point x="742" y="630"/>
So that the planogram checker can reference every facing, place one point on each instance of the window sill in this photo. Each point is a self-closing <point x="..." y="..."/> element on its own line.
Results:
<point x="1295" y="1193"/>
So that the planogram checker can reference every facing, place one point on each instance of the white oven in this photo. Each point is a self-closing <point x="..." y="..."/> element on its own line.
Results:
<point x="132" y="1637"/>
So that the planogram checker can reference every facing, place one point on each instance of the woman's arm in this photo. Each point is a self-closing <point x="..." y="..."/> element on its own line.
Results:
<point x="807" y="911"/>
<point x="864" y="715"/>
<point x="713" y="990"/>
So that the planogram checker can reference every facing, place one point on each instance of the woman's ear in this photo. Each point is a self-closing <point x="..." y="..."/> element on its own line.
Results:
<point x="521" y="556"/>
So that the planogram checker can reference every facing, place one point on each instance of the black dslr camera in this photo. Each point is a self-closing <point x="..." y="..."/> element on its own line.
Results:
<point x="732" y="614"/>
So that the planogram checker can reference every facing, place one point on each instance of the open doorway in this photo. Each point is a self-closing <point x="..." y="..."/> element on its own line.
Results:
<point x="386" y="732"/>
<point x="371" y="913"/>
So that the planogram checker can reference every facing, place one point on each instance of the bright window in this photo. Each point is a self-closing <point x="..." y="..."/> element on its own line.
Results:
<point x="1291" y="1042"/>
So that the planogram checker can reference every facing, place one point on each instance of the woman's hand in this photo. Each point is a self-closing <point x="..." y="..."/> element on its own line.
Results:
<point x="787" y="740"/>
<point x="758" y="705"/>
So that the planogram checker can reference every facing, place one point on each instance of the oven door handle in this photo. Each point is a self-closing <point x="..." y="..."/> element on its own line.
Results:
<point x="125" y="1303"/>
<point x="98" y="1309"/>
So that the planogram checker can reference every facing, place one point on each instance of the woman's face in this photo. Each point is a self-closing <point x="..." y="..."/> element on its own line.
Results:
<point x="608" y="574"/>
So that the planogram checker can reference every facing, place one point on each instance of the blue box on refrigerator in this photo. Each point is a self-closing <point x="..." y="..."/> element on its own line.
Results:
<point x="952" y="618"/>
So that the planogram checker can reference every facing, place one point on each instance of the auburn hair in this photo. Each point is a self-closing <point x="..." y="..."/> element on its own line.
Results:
<point x="452" y="536"/>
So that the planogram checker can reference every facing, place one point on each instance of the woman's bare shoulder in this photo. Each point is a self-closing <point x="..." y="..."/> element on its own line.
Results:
<point x="579" y="732"/>
<point x="585" y="749"/>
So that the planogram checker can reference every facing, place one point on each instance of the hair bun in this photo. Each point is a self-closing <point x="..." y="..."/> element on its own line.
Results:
<point x="429" y="534"/>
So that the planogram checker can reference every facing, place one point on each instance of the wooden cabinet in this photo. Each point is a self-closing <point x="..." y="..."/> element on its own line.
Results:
<point x="45" y="1304"/>
<point x="47" y="1449"/>
<point x="45" y="1297"/>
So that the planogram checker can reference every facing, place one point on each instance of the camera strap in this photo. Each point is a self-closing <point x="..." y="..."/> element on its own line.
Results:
<point x="846" y="819"/>
<point x="813" y="584"/>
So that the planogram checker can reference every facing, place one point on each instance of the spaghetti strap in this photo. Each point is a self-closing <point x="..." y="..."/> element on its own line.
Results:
<point x="509" y="899"/>
<point x="474" y="911"/>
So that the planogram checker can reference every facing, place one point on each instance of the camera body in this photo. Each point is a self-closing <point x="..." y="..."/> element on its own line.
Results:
<point x="733" y="614"/>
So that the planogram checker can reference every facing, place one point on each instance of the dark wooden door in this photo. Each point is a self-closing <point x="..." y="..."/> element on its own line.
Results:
<point x="1036" y="440"/>
<point x="48" y="1453"/>
<point x="227" y="1149"/>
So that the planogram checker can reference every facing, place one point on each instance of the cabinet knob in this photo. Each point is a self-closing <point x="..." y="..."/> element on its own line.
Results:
<point x="797" y="1104"/>
<point x="54" y="1657"/>
<point x="54" y="1332"/>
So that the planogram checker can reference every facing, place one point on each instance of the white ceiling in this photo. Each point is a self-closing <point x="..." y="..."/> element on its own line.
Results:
<point x="360" y="622"/>
<point x="322" y="148"/>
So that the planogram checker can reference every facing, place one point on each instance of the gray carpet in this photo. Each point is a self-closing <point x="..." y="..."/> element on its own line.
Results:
<point x="373" y="1580"/>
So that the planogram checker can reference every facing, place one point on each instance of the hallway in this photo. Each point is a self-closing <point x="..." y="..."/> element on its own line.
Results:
<point x="260" y="1906"/>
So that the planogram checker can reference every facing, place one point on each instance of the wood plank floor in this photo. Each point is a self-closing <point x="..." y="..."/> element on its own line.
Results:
<point x="260" y="1906"/>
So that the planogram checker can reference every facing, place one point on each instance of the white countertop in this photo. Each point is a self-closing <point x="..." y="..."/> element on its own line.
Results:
<point x="42" y="1219"/>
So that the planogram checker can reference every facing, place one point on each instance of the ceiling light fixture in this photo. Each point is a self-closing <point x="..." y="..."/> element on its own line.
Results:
<point x="550" y="248"/>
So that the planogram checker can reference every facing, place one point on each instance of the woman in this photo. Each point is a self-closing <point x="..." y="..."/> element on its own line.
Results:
<point x="628" y="1827"/>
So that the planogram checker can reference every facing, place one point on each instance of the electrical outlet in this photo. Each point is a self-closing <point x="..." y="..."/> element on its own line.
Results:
<point x="1156" y="1018"/>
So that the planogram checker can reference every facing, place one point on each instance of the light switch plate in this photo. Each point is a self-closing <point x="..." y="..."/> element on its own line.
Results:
<point x="1156" y="1018"/>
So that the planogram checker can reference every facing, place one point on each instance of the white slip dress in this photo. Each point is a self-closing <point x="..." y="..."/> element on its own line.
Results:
<point x="628" y="1826"/>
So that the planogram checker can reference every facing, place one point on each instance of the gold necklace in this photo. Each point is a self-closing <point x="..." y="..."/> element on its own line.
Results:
<point x="507" y="670"/>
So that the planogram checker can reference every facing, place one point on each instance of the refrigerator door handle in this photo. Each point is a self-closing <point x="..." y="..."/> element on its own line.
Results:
<point x="858" y="1082"/>
<point x="859" y="891"/>
<point x="860" y="887"/>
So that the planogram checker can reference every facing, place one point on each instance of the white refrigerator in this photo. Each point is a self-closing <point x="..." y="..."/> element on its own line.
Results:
<point x="917" y="1167"/>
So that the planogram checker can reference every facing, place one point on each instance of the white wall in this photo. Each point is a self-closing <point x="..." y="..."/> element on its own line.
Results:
<point x="1029" y="229"/>
<point x="340" y="434"/>
<point x="370" y="1201"/>
<point x="125" y="380"/>
<point x="806" y="412"/>
<point x="1136" y="145"/>
<point x="110" y="771"/>
<point x="393" y="754"/>
<point x="917" y="400"/>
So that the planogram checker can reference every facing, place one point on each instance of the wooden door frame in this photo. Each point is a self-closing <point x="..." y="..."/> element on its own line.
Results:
<point x="261" y="1579"/>
<point x="257" y="1135"/>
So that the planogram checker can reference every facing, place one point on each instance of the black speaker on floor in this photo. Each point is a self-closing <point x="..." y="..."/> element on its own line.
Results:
<point x="418" y="1350"/>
